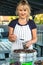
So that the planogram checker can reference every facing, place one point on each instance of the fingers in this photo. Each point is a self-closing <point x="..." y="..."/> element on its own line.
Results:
<point x="28" y="44"/>
<point x="12" y="37"/>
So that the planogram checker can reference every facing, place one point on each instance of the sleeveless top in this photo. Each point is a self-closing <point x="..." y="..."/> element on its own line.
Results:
<point x="23" y="33"/>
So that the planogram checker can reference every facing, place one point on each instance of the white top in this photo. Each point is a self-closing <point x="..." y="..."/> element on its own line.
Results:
<point x="23" y="34"/>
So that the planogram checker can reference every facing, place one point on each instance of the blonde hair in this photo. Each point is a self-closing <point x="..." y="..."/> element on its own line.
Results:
<point x="24" y="2"/>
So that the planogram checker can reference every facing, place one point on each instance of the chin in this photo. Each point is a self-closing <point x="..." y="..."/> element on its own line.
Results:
<point x="23" y="17"/>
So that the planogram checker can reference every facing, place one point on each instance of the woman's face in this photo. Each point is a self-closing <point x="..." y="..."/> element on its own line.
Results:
<point x="23" y="11"/>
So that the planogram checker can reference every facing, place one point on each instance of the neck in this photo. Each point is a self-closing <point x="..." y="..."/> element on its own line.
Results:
<point x="22" y="19"/>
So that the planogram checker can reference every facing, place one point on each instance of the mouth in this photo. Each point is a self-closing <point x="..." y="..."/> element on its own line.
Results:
<point x="23" y="14"/>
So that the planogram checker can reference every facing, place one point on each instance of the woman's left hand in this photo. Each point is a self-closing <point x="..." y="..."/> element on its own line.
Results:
<point x="28" y="44"/>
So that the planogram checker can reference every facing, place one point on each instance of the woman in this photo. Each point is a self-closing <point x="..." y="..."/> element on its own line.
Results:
<point x="22" y="30"/>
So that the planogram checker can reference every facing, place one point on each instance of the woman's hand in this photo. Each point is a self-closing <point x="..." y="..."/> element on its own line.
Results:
<point x="12" y="37"/>
<point x="28" y="44"/>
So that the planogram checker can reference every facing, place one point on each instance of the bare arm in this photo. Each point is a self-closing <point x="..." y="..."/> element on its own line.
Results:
<point x="12" y="37"/>
<point x="34" y="38"/>
<point x="34" y="35"/>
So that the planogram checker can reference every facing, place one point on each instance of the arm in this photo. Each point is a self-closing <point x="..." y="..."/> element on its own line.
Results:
<point x="12" y="37"/>
<point x="34" y="38"/>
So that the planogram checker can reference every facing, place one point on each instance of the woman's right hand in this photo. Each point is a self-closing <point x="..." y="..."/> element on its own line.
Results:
<point x="12" y="37"/>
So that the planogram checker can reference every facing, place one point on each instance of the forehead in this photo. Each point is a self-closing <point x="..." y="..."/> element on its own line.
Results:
<point x="23" y="6"/>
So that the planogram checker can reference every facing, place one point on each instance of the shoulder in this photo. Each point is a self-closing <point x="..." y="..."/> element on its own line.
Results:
<point x="31" y="21"/>
<point x="13" y="23"/>
<point x="32" y="24"/>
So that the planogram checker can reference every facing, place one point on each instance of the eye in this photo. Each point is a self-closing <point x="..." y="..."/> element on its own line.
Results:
<point x="20" y="10"/>
<point x="24" y="9"/>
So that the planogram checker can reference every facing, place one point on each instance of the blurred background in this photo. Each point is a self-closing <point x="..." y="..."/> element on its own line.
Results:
<point x="7" y="13"/>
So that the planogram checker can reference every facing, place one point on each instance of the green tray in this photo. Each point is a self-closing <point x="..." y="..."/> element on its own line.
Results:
<point x="27" y="63"/>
